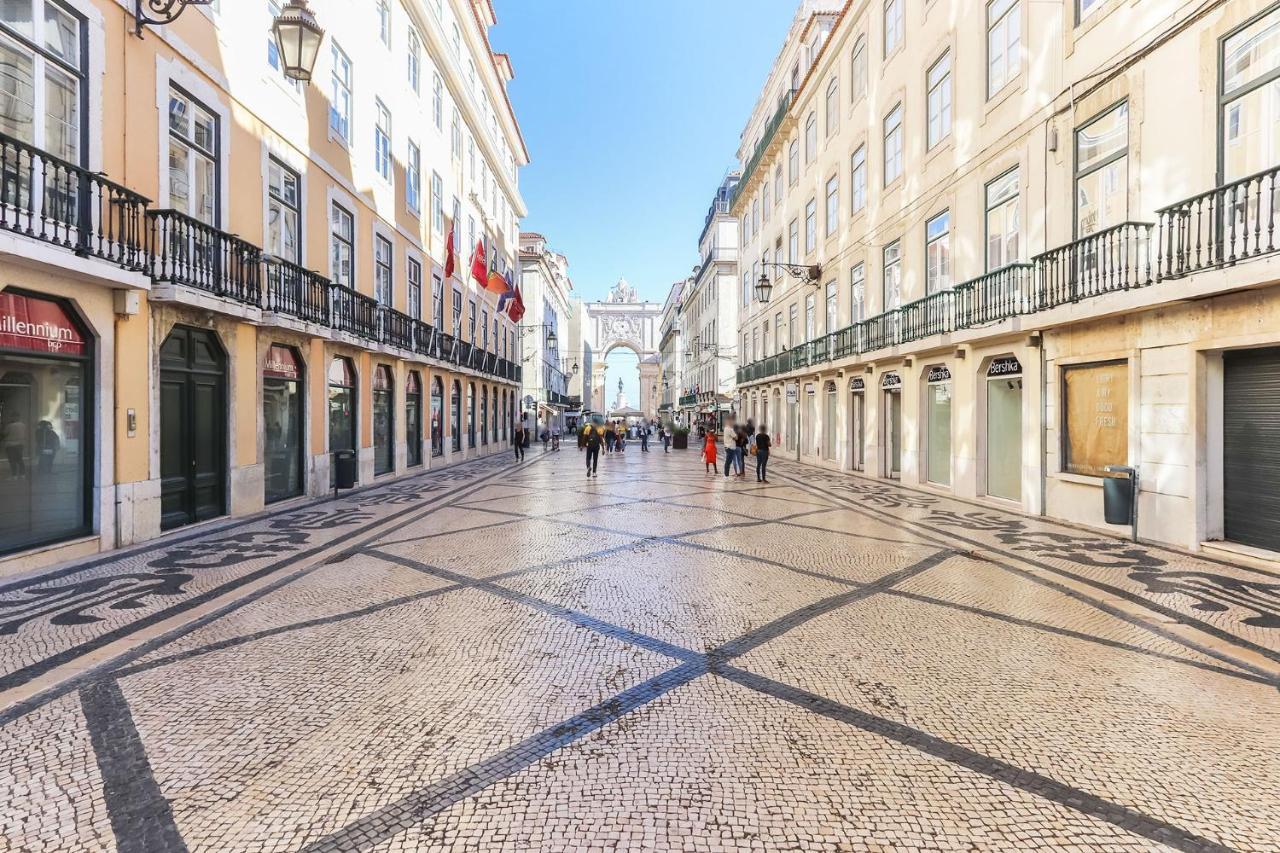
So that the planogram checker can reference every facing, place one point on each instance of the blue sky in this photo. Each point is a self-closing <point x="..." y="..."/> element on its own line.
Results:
<point x="631" y="110"/>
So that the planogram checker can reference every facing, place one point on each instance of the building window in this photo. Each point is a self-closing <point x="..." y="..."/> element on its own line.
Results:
<point x="1004" y="27"/>
<point x="437" y="203"/>
<point x="793" y="162"/>
<point x="833" y="204"/>
<point x="1084" y="8"/>
<point x="382" y="140"/>
<point x="939" y="84"/>
<point x="284" y="211"/>
<point x="859" y="69"/>
<point x="455" y="134"/>
<point x="937" y="252"/>
<point x="273" y="49"/>
<point x="41" y="88"/>
<point x="810" y="226"/>
<point x="413" y="277"/>
<point x="384" y="22"/>
<point x="1250" y="91"/>
<point x="1002" y="220"/>
<point x="471" y="322"/>
<point x="1102" y="171"/>
<point x="778" y="342"/>
<point x="810" y="317"/>
<point x="777" y="185"/>
<point x="343" y="243"/>
<point x="891" y="296"/>
<point x="340" y="94"/>
<point x="811" y="138"/>
<point x="892" y="25"/>
<point x="893" y="145"/>
<point x="833" y="307"/>
<point x="833" y="105"/>
<point x="793" y="241"/>
<point x="793" y="320"/>
<point x="455" y="401"/>
<point x="413" y="179"/>
<point x="1095" y="417"/>
<point x="193" y="158"/>
<point x="382" y="269"/>
<point x="938" y="418"/>
<point x="764" y="202"/>
<point x="437" y="302"/>
<point x="437" y="100"/>
<point x="457" y="312"/>
<point x="858" y="179"/>
<point x="857" y="294"/>
<point x="415" y="60"/>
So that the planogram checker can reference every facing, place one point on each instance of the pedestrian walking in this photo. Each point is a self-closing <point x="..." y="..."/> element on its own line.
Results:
<point x="47" y="446"/>
<point x="740" y="442"/>
<point x="644" y="438"/>
<point x="15" y="446"/>
<point x="546" y="437"/>
<point x="593" y="437"/>
<point x="763" y="443"/>
<point x="709" y="452"/>
<point x="555" y="438"/>
<point x="666" y="439"/>
<point x="730" y="448"/>
<point x="517" y="441"/>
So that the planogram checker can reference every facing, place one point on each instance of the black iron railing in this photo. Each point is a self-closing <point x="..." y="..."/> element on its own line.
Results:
<point x="52" y="200"/>
<point x="396" y="327"/>
<point x="1221" y="227"/>
<point x="354" y="312"/>
<point x="194" y="254"/>
<point x="1001" y="293"/>
<point x="935" y="314"/>
<point x="424" y="339"/>
<point x="297" y="292"/>
<point x="1116" y="258"/>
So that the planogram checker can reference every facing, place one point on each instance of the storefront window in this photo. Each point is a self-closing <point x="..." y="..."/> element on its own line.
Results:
<point x="46" y="408"/>
<point x="484" y="415"/>
<point x="1004" y="428"/>
<point x="811" y="421"/>
<point x="471" y="414"/>
<point x="938" y="404"/>
<point x="1095" y="407"/>
<point x="829" y="428"/>
<point x="455" y="403"/>
<point x="342" y="408"/>
<point x="282" y="423"/>
<point x="383" y="426"/>
<point x="437" y="417"/>
<point x="413" y="419"/>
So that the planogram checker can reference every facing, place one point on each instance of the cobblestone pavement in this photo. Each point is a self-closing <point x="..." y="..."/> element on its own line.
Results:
<point x="501" y="657"/>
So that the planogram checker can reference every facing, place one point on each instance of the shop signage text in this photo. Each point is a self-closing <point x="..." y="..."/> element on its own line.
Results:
<point x="891" y="380"/>
<point x="939" y="373"/>
<point x="1006" y="365"/>
<point x="282" y="364"/>
<point x="857" y="383"/>
<point x="793" y="392"/>
<point x="37" y="325"/>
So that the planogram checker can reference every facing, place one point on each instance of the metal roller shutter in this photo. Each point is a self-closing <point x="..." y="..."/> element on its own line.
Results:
<point x="1251" y="447"/>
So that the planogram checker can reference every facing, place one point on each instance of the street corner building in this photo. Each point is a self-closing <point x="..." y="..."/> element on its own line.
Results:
<point x="219" y="284"/>
<point x="1005" y="249"/>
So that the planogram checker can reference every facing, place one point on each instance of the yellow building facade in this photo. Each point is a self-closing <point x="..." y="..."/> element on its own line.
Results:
<point x="1027" y="242"/>
<point x="216" y="280"/>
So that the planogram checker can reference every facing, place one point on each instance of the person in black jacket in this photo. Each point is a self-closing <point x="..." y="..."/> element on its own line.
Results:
<point x="593" y="437"/>
<point x="762" y="454"/>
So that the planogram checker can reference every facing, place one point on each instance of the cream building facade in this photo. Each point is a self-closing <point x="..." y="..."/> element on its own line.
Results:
<point x="216" y="279"/>
<point x="550" y="308"/>
<point x="671" y="351"/>
<point x="1032" y="241"/>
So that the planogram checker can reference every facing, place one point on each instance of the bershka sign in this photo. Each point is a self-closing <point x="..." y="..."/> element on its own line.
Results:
<point x="793" y="392"/>
<point x="1004" y="366"/>
<point x="857" y="383"/>
<point x="939" y="373"/>
<point x="282" y="363"/>
<point x="37" y="325"/>
<point x="891" y="380"/>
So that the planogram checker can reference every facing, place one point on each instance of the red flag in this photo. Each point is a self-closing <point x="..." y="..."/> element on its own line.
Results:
<point x="494" y="282"/>
<point x="450" y="256"/>
<point x="477" y="264"/>
<point x="516" y="311"/>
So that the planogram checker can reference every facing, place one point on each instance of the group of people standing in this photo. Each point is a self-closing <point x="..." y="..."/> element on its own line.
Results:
<point x="612" y="437"/>
<point x="739" y="442"/>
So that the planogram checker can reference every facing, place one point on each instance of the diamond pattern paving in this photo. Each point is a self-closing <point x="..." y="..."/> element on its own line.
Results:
<point x="504" y="657"/>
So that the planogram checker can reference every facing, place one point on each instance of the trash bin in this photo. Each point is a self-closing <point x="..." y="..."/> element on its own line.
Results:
<point x="344" y="469"/>
<point x="1118" y="495"/>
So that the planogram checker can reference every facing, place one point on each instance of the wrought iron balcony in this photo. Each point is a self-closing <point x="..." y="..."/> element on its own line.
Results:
<point x="191" y="253"/>
<point x="297" y="292"/>
<point x="396" y="327"/>
<point x="1221" y="227"/>
<point x="936" y="314"/>
<point x="354" y="312"/>
<point x="1116" y="258"/>
<point x="52" y="200"/>
<point x="687" y="400"/>
<point x="1002" y="293"/>
<point x="766" y="138"/>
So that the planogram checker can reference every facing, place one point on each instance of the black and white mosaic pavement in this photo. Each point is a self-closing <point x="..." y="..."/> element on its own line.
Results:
<point x="504" y="657"/>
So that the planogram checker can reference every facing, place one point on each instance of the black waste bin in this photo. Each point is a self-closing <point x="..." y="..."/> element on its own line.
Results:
<point x="344" y="469"/>
<point x="1118" y="495"/>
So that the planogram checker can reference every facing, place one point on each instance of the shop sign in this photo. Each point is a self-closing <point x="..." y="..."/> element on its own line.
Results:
<point x="1006" y="365"/>
<point x="857" y="383"/>
<point x="939" y="373"/>
<point x="37" y="325"/>
<point x="891" y="380"/>
<point x="282" y="363"/>
<point x="793" y="392"/>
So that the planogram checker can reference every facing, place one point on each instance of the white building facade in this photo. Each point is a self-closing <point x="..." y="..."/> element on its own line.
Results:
<point x="547" y="333"/>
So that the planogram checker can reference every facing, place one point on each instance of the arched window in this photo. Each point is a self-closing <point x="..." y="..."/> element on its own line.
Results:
<point x="437" y="417"/>
<point x="811" y="137"/>
<point x="859" y="69"/>
<point x="833" y="104"/>
<point x="413" y="418"/>
<point x="383" y="420"/>
<point x="793" y="162"/>
<point x="471" y="414"/>
<point x="484" y="414"/>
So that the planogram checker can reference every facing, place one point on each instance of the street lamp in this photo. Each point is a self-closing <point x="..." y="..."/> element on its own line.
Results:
<point x="806" y="273"/>
<point x="160" y="12"/>
<point x="552" y="340"/>
<point x="298" y="36"/>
